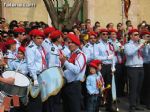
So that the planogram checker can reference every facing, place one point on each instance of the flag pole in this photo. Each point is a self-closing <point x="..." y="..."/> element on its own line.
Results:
<point x="122" y="4"/>
<point x="123" y="18"/>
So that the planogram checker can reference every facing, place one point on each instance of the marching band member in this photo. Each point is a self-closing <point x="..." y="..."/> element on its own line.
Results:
<point x="65" y="48"/>
<point x="52" y="104"/>
<point x="135" y="71"/>
<point x="119" y="75"/>
<point x="19" y="34"/>
<point x="74" y="74"/>
<point x="20" y="63"/>
<point x="36" y="62"/>
<point x="54" y="52"/>
<point x="47" y="41"/>
<point x="105" y="53"/>
<point x="146" y="57"/>
<point x="11" y="51"/>
<point x="93" y="85"/>
<point x="89" y="48"/>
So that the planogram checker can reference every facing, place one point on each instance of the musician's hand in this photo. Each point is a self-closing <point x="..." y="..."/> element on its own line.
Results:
<point x="62" y="59"/>
<point x="2" y="63"/>
<point x="113" y="69"/>
<point x="36" y="83"/>
<point x="9" y="80"/>
<point x="110" y="57"/>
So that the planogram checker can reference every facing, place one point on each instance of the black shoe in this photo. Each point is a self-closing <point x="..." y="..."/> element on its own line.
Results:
<point x="148" y="107"/>
<point x="139" y="108"/>
<point x="132" y="109"/>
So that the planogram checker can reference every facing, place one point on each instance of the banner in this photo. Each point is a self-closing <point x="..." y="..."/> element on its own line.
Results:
<point x="127" y="4"/>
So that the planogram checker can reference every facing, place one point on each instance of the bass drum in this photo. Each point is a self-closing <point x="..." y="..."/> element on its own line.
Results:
<point x="51" y="82"/>
<point x="20" y="87"/>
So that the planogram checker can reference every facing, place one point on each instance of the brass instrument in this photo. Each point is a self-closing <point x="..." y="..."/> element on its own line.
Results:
<point x="147" y="42"/>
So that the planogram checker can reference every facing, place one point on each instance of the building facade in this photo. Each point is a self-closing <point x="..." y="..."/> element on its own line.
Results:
<point x="104" y="11"/>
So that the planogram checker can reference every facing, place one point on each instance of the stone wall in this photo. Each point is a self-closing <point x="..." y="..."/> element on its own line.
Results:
<point x="104" y="11"/>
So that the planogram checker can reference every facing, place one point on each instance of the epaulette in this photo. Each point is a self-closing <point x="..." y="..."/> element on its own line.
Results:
<point x="17" y="61"/>
<point x="6" y="53"/>
<point x="97" y="42"/>
<point x="87" y="45"/>
<point x="78" y="51"/>
<point x="52" y="48"/>
<point x="63" y="47"/>
<point x="31" y="46"/>
<point x="46" y="41"/>
<point x="110" y="43"/>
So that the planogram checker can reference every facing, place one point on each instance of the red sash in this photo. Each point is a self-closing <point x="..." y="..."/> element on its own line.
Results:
<point x="73" y="57"/>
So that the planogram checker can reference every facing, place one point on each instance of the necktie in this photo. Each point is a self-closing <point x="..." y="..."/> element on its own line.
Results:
<point x="42" y="52"/>
<point x="140" y="53"/>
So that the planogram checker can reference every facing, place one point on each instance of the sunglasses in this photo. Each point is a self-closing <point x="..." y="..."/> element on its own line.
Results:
<point x="70" y="42"/>
<point x="104" y="33"/>
<point x="39" y="38"/>
<point x="136" y="34"/>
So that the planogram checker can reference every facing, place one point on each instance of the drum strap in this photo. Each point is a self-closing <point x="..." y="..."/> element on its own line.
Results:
<point x="73" y="57"/>
<point x="84" y="62"/>
<point x="43" y="54"/>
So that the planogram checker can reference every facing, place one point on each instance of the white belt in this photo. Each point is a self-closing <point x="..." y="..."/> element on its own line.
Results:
<point x="135" y="65"/>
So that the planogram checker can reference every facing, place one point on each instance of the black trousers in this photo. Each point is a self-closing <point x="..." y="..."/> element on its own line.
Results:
<point x="136" y="76"/>
<point x="53" y="104"/>
<point x="35" y="104"/>
<point x="71" y="95"/>
<point x="145" y="96"/>
<point x="106" y="73"/>
<point x="120" y="79"/>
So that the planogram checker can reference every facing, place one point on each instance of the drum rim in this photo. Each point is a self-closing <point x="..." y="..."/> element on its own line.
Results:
<point x="50" y="67"/>
<point x="17" y="85"/>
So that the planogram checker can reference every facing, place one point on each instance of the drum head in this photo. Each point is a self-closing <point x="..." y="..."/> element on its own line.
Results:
<point x="20" y="79"/>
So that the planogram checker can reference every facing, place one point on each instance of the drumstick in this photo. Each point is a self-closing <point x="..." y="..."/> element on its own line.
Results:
<point x="18" y="68"/>
<point x="9" y="58"/>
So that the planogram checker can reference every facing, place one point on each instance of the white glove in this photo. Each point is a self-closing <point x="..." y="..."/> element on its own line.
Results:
<point x="141" y="45"/>
<point x="36" y="83"/>
<point x="110" y="57"/>
<point x="113" y="69"/>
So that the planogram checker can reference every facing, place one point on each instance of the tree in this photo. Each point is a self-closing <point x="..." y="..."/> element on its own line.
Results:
<point x="66" y="17"/>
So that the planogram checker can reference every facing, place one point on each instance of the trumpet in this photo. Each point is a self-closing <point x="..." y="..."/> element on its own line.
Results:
<point x="147" y="42"/>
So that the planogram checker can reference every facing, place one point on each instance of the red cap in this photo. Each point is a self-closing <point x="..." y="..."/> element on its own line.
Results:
<point x="55" y="34"/>
<point x="92" y="33"/>
<point x="97" y="62"/>
<point x="74" y="38"/>
<point x="36" y="32"/>
<point x="103" y="30"/>
<point x="10" y="41"/>
<point x="22" y="49"/>
<point x="132" y="31"/>
<point x="113" y="30"/>
<point x="93" y="65"/>
<point x="49" y="30"/>
<point x="145" y="32"/>
<point x="19" y="30"/>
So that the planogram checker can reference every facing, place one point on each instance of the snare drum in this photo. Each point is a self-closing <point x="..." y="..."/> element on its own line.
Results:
<point x="20" y="87"/>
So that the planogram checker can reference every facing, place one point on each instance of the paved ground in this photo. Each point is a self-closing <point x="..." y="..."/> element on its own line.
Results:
<point x="123" y="106"/>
